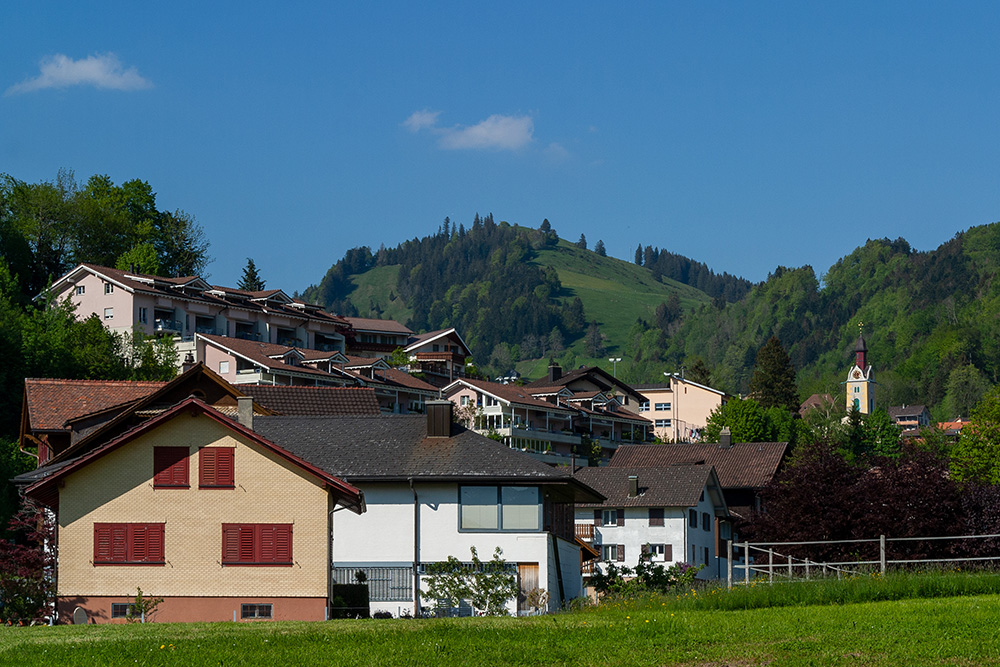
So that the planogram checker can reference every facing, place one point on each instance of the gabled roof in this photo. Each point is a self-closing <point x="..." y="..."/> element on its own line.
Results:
<point x="666" y="387"/>
<point x="594" y="374"/>
<point x="395" y="377"/>
<point x="743" y="465"/>
<point x="900" y="411"/>
<point x="263" y="355"/>
<point x="393" y="448"/>
<point x="50" y="402"/>
<point x="673" y="486"/>
<point x="366" y="362"/>
<point x="507" y="393"/>
<point x="197" y="378"/>
<point x="372" y="325"/>
<point x="46" y="488"/>
<point x="431" y="336"/>
<point x="316" y="401"/>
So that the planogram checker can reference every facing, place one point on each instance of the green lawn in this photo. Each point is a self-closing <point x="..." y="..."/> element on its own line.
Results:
<point x="953" y="631"/>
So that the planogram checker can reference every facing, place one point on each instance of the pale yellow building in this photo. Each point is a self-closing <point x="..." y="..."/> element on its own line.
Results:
<point x="861" y="381"/>
<point x="197" y="509"/>
<point x="679" y="408"/>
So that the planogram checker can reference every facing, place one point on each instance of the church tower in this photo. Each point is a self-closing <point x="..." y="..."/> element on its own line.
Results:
<point x="860" y="381"/>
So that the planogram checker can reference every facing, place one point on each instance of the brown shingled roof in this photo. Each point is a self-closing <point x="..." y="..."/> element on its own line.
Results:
<point x="370" y="324"/>
<point x="314" y="401"/>
<point x="514" y="394"/>
<point x="52" y="402"/>
<point x="673" y="486"/>
<point x="744" y="465"/>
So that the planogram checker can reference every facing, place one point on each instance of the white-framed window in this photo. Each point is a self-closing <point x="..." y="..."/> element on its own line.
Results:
<point x="659" y="552"/>
<point x="644" y="406"/>
<point x="613" y="552"/>
<point x="609" y="518"/>
<point x="464" y="401"/>
<point x="108" y="288"/>
<point x="224" y="367"/>
<point x="81" y="289"/>
<point x="109" y="313"/>
<point x="500" y="508"/>
<point x="662" y="423"/>
<point x="663" y="406"/>
<point x="142" y="315"/>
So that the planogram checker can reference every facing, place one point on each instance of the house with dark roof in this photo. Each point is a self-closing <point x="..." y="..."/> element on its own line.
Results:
<point x="910" y="418"/>
<point x="194" y="508"/>
<point x="591" y="378"/>
<point x="182" y="307"/>
<point x="438" y="355"/>
<point x="550" y="423"/>
<point x="665" y="515"/>
<point x="376" y="338"/>
<point x="434" y="489"/>
<point x="743" y="468"/>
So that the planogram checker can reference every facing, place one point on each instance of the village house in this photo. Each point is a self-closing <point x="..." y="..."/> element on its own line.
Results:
<point x="590" y="379"/>
<point x="376" y="338"/>
<point x="666" y="515"/>
<point x="679" y="408"/>
<point x="438" y="356"/>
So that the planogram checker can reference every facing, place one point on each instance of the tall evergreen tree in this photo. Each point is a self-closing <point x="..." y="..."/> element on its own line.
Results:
<point x="251" y="280"/>
<point x="773" y="381"/>
<point x="638" y="255"/>
<point x="582" y="243"/>
<point x="599" y="248"/>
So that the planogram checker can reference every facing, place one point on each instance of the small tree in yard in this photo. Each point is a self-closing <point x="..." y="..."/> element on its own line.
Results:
<point x="487" y="586"/>
<point x="27" y="559"/>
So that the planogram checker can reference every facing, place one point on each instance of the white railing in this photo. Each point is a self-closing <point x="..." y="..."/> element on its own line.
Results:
<point x="776" y="559"/>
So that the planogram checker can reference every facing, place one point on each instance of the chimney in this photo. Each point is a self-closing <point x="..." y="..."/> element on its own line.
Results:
<point x="438" y="418"/>
<point x="633" y="486"/>
<point x="725" y="438"/>
<point x="245" y="411"/>
<point x="188" y="363"/>
<point x="555" y="371"/>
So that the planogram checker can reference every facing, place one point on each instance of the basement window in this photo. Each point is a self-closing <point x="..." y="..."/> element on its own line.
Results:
<point x="256" y="611"/>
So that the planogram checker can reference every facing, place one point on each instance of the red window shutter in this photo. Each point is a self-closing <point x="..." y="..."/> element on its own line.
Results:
<point x="154" y="543"/>
<point x="102" y="542"/>
<point x="621" y="552"/>
<point x="248" y="538"/>
<point x="597" y="517"/>
<point x="119" y="542"/>
<point x="230" y="543"/>
<point x="137" y="543"/>
<point x="621" y="516"/>
<point x="655" y="516"/>
<point x="215" y="466"/>
<point x="206" y="466"/>
<point x="267" y="544"/>
<point x="283" y="544"/>
<point x="170" y="466"/>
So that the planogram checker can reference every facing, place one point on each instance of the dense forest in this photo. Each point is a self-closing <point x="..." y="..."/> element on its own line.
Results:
<point x="932" y="318"/>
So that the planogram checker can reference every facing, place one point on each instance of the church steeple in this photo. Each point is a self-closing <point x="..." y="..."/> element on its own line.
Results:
<point x="860" y="380"/>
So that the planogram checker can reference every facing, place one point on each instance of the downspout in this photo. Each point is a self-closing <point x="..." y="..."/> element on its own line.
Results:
<point x="416" y="550"/>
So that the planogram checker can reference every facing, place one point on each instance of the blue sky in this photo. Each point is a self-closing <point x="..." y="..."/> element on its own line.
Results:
<point x="745" y="135"/>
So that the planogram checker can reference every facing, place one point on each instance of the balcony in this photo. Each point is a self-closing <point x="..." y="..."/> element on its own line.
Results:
<point x="163" y="325"/>
<point x="584" y="531"/>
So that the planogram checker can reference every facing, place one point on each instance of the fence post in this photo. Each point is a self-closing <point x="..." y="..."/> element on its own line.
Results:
<point x="807" y="569"/>
<point x="789" y="558"/>
<point x="746" y="562"/>
<point x="729" y="560"/>
<point x="770" y="565"/>
<point x="881" y="544"/>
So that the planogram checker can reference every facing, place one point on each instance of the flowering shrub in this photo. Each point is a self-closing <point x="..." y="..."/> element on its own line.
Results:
<point x="645" y="577"/>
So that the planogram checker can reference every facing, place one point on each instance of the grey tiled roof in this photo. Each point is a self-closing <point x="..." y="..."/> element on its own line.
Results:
<point x="396" y="447"/>
<point x="674" y="486"/>
<point x="744" y="465"/>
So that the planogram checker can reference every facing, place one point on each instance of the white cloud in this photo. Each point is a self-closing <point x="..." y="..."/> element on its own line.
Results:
<point x="556" y="152"/>
<point x="101" y="71"/>
<point x="420" y="120"/>
<point x="498" y="131"/>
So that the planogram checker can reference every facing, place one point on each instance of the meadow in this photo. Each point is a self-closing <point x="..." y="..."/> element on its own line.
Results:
<point x="931" y="619"/>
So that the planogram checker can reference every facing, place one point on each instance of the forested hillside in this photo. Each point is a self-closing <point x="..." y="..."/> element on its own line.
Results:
<point x="520" y="296"/>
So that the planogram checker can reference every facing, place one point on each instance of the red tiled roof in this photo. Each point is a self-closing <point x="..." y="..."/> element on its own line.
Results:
<point x="395" y="376"/>
<point x="371" y="324"/>
<point x="260" y="353"/>
<point x="314" y="401"/>
<point x="744" y="465"/>
<point x="52" y="402"/>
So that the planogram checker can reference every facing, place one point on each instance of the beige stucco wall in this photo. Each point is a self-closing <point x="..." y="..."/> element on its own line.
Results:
<point x="118" y="488"/>
<point x="690" y="407"/>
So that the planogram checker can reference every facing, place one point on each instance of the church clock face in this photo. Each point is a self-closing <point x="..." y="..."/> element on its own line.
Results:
<point x="857" y="374"/>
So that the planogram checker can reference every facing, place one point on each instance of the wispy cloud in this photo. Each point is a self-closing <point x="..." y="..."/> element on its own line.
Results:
<point x="496" y="132"/>
<point x="101" y="71"/>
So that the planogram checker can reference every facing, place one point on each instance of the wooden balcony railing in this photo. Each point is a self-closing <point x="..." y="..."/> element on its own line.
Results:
<point x="585" y="531"/>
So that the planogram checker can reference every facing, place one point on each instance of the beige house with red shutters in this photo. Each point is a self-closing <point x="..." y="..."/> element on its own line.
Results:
<point x="195" y="508"/>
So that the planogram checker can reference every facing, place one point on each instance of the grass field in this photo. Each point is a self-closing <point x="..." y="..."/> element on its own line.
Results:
<point x="654" y="631"/>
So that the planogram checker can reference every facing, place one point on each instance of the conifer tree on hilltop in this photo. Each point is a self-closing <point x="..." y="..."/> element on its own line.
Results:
<point x="773" y="381"/>
<point x="251" y="280"/>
